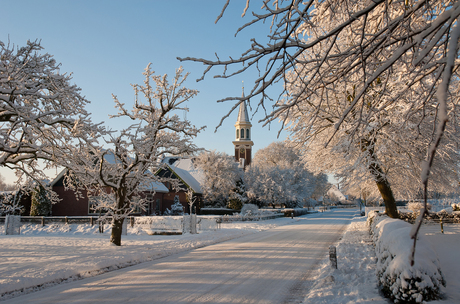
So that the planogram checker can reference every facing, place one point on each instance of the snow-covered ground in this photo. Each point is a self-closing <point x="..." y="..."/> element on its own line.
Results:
<point x="54" y="253"/>
<point x="355" y="280"/>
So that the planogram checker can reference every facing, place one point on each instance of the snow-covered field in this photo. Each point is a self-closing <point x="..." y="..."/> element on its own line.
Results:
<point x="43" y="256"/>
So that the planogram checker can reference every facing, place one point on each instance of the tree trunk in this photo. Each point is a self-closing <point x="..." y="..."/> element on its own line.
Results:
<point x="388" y="198"/>
<point x="380" y="179"/>
<point x="117" y="229"/>
<point x="117" y="223"/>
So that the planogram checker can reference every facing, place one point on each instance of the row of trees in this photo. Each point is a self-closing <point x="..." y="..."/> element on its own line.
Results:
<point x="44" y="124"/>
<point x="370" y="88"/>
<point x="277" y="175"/>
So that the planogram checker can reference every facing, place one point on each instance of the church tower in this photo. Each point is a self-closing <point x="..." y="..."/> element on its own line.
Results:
<point x="243" y="143"/>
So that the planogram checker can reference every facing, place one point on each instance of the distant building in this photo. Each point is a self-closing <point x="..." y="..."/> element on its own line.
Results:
<point x="188" y="176"/>
<point x="335" y="193"/>
<point x="243" y="143"/>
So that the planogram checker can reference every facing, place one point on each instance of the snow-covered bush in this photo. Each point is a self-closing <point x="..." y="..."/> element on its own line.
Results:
<point x="415" y="207"/>
<point x="455" y="207"/>
<point x="400" y="281"/>
<point x="249" y="209"/>
<point x="176" y="208"/>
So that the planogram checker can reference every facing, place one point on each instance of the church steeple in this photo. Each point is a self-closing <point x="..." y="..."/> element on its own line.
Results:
<point x="243" y="143"/>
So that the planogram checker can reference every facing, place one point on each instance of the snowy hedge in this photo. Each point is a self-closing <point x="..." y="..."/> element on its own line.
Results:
<point x="400" y="281"/>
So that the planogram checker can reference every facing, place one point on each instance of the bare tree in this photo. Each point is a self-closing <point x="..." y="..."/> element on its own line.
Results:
<point x="116" y="178"/>
<point x="346" y="63"/>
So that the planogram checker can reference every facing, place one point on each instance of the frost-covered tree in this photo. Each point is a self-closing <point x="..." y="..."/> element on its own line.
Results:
<point x="375" y="82"/>
<point x="176" y="207"/>
<point x="321" y="186"/>
<point x="10" y="202"/>
<point x="40" y="202"/>
<point x="221" y="174"/>
<point x="278" y="175"/>
<point x="117" y="177"/>
<point x="40" y="109"/>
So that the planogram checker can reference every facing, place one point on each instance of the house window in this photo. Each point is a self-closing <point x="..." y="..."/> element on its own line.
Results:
<point x="242" y="133"/>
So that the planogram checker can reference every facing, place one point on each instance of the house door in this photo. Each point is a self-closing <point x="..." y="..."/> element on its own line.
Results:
<point x="158" y="206"/>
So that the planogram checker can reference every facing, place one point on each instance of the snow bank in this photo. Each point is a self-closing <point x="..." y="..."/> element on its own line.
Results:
<point x="354" y="281"/>
<point x="400" y="281"/>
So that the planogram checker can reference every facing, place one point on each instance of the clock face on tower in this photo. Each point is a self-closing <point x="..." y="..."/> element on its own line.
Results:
<point x="242" y="151"/>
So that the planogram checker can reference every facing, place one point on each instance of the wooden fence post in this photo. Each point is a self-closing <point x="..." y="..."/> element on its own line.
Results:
<point x="333" y="256"/>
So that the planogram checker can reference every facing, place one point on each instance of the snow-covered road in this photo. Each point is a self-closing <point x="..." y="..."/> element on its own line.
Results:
<point x="271" y="266"/>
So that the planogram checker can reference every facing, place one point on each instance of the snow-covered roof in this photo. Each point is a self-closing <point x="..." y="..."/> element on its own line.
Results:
<point x="156" y="186"/>
<point x="184" y="168"/>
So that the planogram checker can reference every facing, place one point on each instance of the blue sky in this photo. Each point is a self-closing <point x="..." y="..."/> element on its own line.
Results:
<point x="106" y="44"/>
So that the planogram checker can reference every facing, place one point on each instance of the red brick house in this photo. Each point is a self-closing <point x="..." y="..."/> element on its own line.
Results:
<point x="70" y="205"/>
<point x="159" y="198"/>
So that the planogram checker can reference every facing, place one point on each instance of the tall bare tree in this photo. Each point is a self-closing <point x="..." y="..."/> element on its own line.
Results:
<point x="115" y="178"/>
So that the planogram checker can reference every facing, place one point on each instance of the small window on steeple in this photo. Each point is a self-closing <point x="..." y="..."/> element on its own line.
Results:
<point x="237" y="133"/>
<point x="242" y="133"/>
<point x="247" y="134"/>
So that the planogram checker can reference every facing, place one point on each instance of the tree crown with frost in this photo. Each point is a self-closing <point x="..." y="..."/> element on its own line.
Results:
<point x="350" y="68"/>
<point x="41" y="113"/>
<point x="40" y="108"/>
<point x="221" y="174"/>
<point x="120" y="176"/>
<point x="278" y="175"/>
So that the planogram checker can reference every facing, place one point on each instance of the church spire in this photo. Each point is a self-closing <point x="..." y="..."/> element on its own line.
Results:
<point x="243" y="142"/>
<point x="243" y="111"/>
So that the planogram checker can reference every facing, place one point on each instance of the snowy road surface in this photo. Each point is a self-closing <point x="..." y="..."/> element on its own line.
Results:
<point x="267" y="267"/>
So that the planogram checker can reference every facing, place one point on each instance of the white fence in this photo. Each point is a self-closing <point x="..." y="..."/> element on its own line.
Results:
<point x="178" y="224"/>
